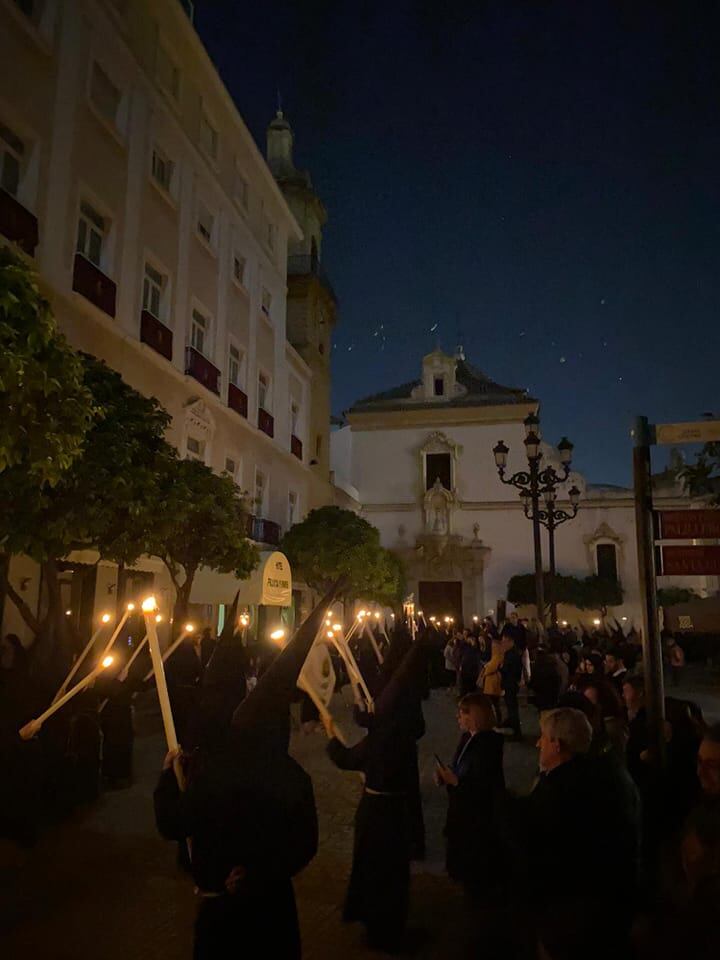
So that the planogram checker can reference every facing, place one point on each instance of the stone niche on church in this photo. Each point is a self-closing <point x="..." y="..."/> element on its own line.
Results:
<point x="438" y="463"/>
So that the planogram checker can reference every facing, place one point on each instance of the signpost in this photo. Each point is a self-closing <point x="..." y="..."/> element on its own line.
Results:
<point x="674" y="559"/>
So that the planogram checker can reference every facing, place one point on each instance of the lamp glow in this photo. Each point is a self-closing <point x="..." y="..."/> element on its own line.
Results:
<point x="149" y="604"/>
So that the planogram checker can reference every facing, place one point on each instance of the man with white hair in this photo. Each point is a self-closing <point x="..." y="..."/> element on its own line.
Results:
<point x="580" y="834"/>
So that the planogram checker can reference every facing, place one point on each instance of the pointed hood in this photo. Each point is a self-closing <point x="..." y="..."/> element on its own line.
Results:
<point x="264" y="713"/>
<point x="406" y="682"/>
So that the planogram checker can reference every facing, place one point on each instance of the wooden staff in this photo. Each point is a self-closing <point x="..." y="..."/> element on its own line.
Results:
<point x="374" y="643"/>
<point x="116" y="632"/>
<point x="33" y="726"/>
<point x="133" y="658"/>
<point x="149" y="606"/>
<point x="78" y="663"/>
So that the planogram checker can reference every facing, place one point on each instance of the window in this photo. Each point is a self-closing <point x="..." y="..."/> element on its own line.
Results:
<point x="154" y="284"/>
<point x="12" y="150"/>
<point x="200" y="332"/>
<point x="266" y="302"/>
<point x="438" y="467"/>
<point x="230" y="468"/>
<point x="162" y="169"/>
<point x="294" y="419"/>
<point x="168" y="73"/>
<point x="241" y="190"/>
<point x="104" y="95"/>
<point x="439" y="386"/>
<point x="205" y="223"/>
<point x="239" y="264"/>
<point x="264" y="392"/>
<point x="292" y="507"/>
<point x="195" y="449"/>
<point x="208" y="136"/>
<point x="606" y="557"/>
<point x="235" y="365"/>
<point x="260" y="492"/>
<point x="91" y="234"/>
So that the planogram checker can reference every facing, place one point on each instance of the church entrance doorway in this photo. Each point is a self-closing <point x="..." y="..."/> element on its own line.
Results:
<point x="441" y="598"/>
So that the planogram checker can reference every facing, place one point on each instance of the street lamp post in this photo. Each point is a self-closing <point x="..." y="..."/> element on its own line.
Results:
<point x="532" y="483"/>
<point x="551" y="518"/>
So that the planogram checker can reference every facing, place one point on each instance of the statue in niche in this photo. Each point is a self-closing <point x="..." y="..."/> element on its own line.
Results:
<point x="438" y="502"/>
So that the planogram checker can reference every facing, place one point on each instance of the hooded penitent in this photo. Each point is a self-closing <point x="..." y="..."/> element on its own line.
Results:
<point x="264" y="716"/>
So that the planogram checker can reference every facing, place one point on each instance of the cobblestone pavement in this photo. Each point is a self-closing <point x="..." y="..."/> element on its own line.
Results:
<point x="104" y="885"/>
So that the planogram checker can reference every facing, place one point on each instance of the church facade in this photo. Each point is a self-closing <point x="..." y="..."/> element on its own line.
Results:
<point x="419" y="460"/>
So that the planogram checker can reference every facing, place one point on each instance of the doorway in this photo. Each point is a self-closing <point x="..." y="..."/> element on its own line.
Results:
<point x="441" y="598"/>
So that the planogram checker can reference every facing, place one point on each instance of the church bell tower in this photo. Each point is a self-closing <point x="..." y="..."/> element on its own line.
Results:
<point x="311" y="302"/>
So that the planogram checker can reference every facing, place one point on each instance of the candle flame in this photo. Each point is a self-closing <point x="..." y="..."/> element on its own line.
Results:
<point x="149" y="604"/>
<point x="106" y="618"/>
<point x="189" y="627"/>
<point x="277" y="635"/>
<point x="107" y="662"/>
<point x="131" y="607"/>
<point x="158" y="618"/>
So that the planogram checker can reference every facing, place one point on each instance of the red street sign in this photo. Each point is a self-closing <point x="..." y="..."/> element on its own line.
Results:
<point x="688" y="524"/>
<point x="689" y="561"/>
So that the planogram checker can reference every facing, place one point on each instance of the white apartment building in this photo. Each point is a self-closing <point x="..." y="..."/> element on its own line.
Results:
<point x="161" y="237"/>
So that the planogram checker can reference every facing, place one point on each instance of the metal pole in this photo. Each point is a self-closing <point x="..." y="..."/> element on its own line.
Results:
<point x="537" y="545"/>
<point x="652" y="652"/>
<point x="551" y="563"/>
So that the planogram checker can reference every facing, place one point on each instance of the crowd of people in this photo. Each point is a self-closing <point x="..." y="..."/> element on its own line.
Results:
<point x="611" y="852"/>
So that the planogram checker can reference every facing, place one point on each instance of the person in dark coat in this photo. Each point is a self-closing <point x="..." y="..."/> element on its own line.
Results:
<point x="547" y="680"/>
<point x="574" y="790"/>
<point x="208" y="643"/>
<point x="469" y="664"/>
<point x="248" y="809"/>
<point x="378" y="891"/>
<point x="474" y="780"/>
<point x="511" y="672"/>
<point x="183" y="671"/>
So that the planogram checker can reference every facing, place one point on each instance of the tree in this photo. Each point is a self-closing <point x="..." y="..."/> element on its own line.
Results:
<point x="45" y="408"/>
<point x="703" y="477"/>
<point x="200" y="520"/>
<point x="331" y="543"/>
<point x="590" y="593"/>
<point x="670" y="596"/>
<point x="105" y="498"/>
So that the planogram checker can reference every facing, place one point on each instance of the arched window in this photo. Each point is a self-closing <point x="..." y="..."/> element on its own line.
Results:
<point x="606" y="561"/>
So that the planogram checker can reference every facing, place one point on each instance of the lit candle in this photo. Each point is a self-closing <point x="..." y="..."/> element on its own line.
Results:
<point x="149" y="607"/>
<point x="31" y="728"/>
<point x="104" y="620"/>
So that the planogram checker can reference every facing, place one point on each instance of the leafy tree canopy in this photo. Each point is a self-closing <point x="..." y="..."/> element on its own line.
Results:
<point x="703" y="477"/>
<point x="331" y="543"/>
<point x="670" y="596"/>
<point x="200" y="519"/>
<point x="45" y="407"/>
<point x="590" y="593"/>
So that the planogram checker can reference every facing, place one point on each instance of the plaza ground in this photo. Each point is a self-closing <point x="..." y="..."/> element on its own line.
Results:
<point x="104" y="885"/>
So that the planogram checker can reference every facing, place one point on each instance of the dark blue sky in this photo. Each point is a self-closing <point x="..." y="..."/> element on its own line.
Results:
<point x="543" y="177"/>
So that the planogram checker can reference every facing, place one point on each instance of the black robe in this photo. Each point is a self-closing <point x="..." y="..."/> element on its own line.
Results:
<point x="378" y="891"/>
<point x="251" y="810"/>
<point x="471" y="846"/>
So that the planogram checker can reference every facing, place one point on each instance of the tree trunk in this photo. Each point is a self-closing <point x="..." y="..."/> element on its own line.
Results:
<point x="182" y="602"/>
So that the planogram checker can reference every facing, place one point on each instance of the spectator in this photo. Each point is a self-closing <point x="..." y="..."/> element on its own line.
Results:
<point x="575" y="789"/>
<point x="615" y="669"/>
<point x="512" y="671"/>
<point x="491" y="678"/>
<point x="469" y="665"/>
<point x="675" y="658"/>
<point x="613" y="728"/>
<point x="548" y="680"/>
<point x="473" y="780"/>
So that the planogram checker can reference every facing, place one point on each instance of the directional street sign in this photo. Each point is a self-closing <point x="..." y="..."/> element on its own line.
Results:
<point x="688" y="524"/>
<point x="702" y="431"/>
<point x="677" y="561"/>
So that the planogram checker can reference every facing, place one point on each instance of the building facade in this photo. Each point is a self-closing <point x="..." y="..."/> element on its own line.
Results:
<point x="161" y="237"/>
<point x="420" y="458"/>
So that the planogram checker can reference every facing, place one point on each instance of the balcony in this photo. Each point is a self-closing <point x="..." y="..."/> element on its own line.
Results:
<point x="156" y="335"/>
<point x="305" y="265"/>
<point x="199" y="367"/>
<point x="237" y="400"/>
<point x="263" y="531"/>
<point x="296" y="446"/>
<point x="266" y="422"/>
<point x="17" y="223"/>
<point x="92" y="283"/>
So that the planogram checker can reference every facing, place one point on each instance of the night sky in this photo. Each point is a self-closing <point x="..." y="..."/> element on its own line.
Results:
<point x="539" y="180"/>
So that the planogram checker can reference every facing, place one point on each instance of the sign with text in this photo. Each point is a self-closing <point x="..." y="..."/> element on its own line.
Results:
<point x="677" y="561"/>
<point x="702" y="431"/>
<point x="688" y="524"/>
